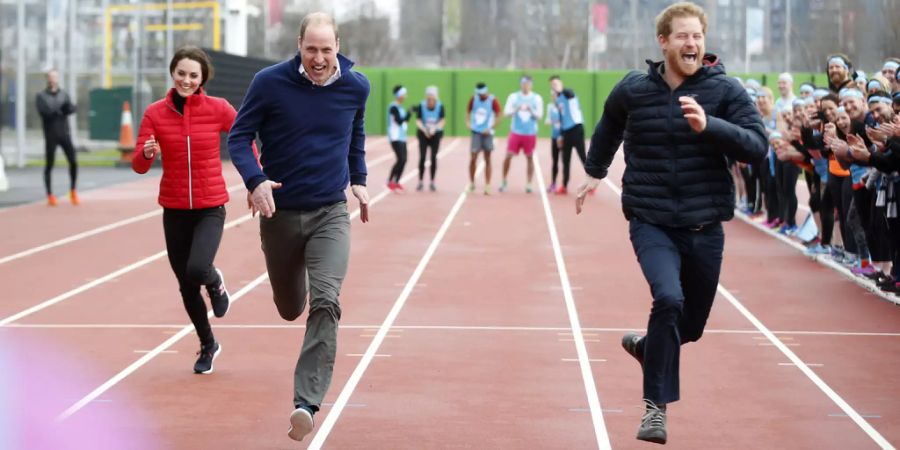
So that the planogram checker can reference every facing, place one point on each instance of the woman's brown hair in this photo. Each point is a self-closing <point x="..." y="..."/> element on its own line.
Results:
<point x="194" y="54"/>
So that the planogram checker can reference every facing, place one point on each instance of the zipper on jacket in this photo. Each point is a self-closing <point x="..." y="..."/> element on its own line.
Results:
<point x="190" y="181"/>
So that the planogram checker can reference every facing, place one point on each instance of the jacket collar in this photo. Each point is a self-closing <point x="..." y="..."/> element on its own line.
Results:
<point x="344" y="63"/>
<point x="711" y="66"/>
<point x="192" y="100"/>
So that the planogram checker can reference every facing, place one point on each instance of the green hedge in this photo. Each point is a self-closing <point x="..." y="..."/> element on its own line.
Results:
<point x="456" y="87"/>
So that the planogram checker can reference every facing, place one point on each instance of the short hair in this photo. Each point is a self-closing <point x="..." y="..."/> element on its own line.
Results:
<point x="318" y="18"/>
<point x="480" y="85"/>
<point x="396" y="89"/>
<point x="831" y="97"/>
<point x="680" y="9"/>
<point x="554" y="77"/>
<point x="194" y="54"/>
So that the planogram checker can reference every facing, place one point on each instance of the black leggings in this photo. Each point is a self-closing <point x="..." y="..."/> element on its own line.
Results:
<point x="192" y="239"/>
<point x="826" y="211"/>
<point x="573" y="137"/>
<point x="840" y="191"/>
<point x="789" y="174"/>
<point x="554" y="152"/>
<point x="433" y="142"/>
<point x="51" y="140"/>
<point x="770" y="184"/>
<point x="399" y="150"/>
<point x="750" y="174"/>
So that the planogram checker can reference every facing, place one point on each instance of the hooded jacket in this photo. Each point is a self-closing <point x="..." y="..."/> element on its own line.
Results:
<point x="673" y="176"/>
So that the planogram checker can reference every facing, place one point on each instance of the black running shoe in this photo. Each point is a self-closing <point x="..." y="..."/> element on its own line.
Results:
<point x="218" y="296"/>
<point x="206" y="357"/>
<point x="631" y="342"/>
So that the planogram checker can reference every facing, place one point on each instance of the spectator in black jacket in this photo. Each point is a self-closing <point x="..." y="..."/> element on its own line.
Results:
<point x="54" y="106"/>
<point x="679" y="121"/>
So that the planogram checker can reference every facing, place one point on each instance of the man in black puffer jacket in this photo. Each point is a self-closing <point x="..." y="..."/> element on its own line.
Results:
<point x="678" y="121"/>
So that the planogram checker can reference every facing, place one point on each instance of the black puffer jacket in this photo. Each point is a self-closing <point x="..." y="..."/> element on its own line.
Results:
<point x="673" y="176"/>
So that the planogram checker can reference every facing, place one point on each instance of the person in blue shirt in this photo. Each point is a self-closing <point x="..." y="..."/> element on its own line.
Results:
<point x="398" y="117"/>
<point x="552" y="119"/>
<point x="429" y="130"/>
<point x="482" y="116"/>
<point x="308" y="112"/>
<point x="526" y="108"/>
<point x="571" y="129"/>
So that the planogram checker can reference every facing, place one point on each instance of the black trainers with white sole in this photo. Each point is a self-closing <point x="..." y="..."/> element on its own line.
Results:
<point x="206" y="357"/>
<point x="218" y="296"/>
<point x="302" y="423"/>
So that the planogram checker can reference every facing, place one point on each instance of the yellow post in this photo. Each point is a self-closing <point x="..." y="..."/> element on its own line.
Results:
<point x="107" y="28"/>
<point x="217" y="32"/>
<point x="107" y="48"/>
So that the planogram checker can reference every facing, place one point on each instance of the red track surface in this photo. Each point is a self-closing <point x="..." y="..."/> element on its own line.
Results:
<point x="481" y="353"/>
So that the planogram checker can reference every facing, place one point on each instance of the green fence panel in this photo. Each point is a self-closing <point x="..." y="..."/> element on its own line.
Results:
<point x="375" y="124"/>
<point x="105" y="115"/>
<point x="456" y="87"/>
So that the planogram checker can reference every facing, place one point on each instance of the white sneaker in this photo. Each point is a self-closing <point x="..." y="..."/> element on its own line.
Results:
<point x="301" y="424"/>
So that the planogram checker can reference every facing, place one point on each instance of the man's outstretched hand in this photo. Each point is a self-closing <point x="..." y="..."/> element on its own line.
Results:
<point x="589" y="185"/>
<point x="361" y="194"/>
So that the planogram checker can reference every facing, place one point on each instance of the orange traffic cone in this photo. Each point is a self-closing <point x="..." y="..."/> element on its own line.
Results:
<point x="126" y="134"/>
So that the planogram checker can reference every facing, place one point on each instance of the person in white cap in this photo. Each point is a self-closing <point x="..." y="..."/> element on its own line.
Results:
<point x="786" y="90"/>
<point x="429" y="130"/>
<point x="889" y="70"/>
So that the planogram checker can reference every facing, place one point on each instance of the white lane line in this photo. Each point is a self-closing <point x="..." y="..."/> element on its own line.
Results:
<point x="102" y="229"/>
<point x="146" y="358"/>
<point x="840" y="402"/>
<point x="131" y="267"/>
<point x="824" y="260"/>
<point x="400" y="328"/>
<point x="584" y="363"/>
<point x="363" y="364"/>
<point x="189" y="328"/>
<point x="92" y="232"/>
<point x="164" y="351"/>
<point x="578" y="360"/>
<point x="808" y="364"/>
<point x="104" y="279"/>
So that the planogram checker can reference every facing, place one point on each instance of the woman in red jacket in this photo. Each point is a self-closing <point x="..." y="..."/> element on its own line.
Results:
<point x="184" y="127"/>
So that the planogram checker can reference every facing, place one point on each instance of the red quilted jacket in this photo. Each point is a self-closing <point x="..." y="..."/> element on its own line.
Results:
<point x="189" y="143"/>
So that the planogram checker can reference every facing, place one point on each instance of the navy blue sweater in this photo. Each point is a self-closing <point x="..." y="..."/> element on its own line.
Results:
<point x="312" y="137"/>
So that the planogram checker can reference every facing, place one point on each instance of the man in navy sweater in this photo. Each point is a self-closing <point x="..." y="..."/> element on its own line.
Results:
<point x="308" y="113"/>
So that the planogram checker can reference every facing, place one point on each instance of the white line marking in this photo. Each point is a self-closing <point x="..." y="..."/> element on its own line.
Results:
<point x="189" y="328"/>
<point x="580" y="347"/>
<point x="578" y="360"/>
<point x="92" y="232"/>
<point x="400" y="328"/>
<point x="87" y="286"/>
<point x="164" y="351"/>
<point x="109" y="277"/>
<point x="363" y="354"/>
<point x="146" y="358"/>
<point x="360" y="369"/>
<point x="824" y="260"/>
<point x="808" y="364"/>
<point x="840" y="402"/>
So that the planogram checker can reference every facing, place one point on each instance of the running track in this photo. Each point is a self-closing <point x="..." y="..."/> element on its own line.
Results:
<point x="469" y="321"/>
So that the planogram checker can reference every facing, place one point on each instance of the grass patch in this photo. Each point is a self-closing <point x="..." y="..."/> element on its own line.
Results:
<point x="98" y="158"/>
